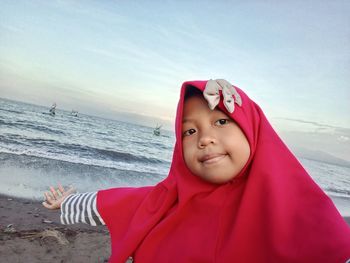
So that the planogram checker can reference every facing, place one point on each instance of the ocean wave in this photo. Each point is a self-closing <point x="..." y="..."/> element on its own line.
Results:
<point x="109" y="154"/>
<point x="127" y="157"/>
<point x="12" y="111"/>
<point x="2" y="122"/>
<point x="72" y="149"/>
<point x="39" y="141"/>
<point x="35" y="127"/>
<point x="32" y="176"/>
<point x="51" y="160"/>
<point x="19" y="140"/>
<point x="12" y="139"/>
<point x="338" y="191"/>
<point x="155" y="144"/>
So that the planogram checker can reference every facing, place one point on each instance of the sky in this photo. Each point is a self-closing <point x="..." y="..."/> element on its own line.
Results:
<point x="126" y="60"/>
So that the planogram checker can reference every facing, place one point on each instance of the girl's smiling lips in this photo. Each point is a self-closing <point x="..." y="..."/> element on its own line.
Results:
<point x="212" y="158"/>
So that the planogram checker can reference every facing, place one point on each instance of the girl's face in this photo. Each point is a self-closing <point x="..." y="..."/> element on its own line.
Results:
<point x="214" y="147"/>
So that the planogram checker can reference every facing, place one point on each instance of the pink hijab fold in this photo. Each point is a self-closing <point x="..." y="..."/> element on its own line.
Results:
<point x="271" y="212"/>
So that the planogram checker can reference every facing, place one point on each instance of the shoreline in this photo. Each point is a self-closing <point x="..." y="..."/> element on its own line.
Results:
<point x="30" y="231"/>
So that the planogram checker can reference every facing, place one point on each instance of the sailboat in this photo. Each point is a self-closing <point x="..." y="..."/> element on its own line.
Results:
<point x="156" y="130"/>
<point x="74" y="113"/>
<point x="53" y="109"/>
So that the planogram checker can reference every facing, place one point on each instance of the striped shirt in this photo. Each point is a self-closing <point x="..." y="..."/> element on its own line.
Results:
<point x="81" y="208"/>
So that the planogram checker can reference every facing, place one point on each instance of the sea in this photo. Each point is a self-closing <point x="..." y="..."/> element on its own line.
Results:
<point x="38" y="150"/>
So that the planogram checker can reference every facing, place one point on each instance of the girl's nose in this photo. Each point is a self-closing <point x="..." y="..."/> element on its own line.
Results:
<point x="205" y="140"/>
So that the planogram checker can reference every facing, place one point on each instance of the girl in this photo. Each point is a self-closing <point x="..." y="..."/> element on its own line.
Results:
<point x="234" y="193"/>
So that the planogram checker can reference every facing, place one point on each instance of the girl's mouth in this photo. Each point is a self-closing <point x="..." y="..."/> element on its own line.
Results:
<point x="212" y="158"/>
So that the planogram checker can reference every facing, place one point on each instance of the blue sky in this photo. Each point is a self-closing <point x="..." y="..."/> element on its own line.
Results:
<point x="127" y="59"/>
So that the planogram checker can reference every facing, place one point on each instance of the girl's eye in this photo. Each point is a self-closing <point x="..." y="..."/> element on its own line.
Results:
<point x="189" y="132"/>
<point x="222" y="122"/>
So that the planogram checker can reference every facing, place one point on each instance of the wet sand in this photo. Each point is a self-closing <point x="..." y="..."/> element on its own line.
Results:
<point x="31" y="233"/>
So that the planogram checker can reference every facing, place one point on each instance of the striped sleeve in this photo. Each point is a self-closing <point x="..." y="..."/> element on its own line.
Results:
<point x="81" y="208"/>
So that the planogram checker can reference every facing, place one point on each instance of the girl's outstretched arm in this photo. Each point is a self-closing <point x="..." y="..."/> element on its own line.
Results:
<point x="75" y="208"/>
<point x="81" y="208"/>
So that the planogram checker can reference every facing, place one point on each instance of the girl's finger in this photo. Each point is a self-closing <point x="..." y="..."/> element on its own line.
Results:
<point x="54" y="193"/>
<point x="48" y="197"/>
<point x="47" y="205"/>
<point x="61" y="189"/>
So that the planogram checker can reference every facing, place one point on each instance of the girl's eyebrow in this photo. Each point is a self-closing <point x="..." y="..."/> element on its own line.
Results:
<point x="188" y="120"/>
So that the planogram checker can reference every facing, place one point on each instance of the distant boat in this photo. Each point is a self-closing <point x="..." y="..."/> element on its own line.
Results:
<point x="74" y="113"/>
<point x="156" y="130"/>
<point x="53" y="109"/>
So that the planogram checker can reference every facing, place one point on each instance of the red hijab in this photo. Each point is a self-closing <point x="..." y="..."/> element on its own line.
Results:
<point x="271" y="212"/>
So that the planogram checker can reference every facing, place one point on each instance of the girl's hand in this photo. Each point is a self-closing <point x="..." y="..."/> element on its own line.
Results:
<point x="55" y="198"/>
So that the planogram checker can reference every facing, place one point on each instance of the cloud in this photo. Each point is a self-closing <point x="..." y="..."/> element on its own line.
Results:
<point x="317" y="124"/>
<point x="101" y="52"/>
<point x="343" y="138"/>
<point x="315" y="136"/>
<point x="336" y="145"/>
<point x="320" y="127"/>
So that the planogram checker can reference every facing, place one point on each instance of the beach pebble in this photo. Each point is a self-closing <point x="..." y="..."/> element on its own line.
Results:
<point x="10" y="229"/>
<point x="36" y="215"/>
<point x="47" y="221"/>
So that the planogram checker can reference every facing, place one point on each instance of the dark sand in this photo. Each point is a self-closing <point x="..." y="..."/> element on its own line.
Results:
<point x="24" y="237"/>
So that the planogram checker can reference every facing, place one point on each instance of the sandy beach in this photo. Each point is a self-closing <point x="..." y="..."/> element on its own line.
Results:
<point x="31" y="233"/>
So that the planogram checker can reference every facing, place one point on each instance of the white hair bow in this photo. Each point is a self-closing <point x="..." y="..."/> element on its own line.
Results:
<point x="212" y="95"/>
